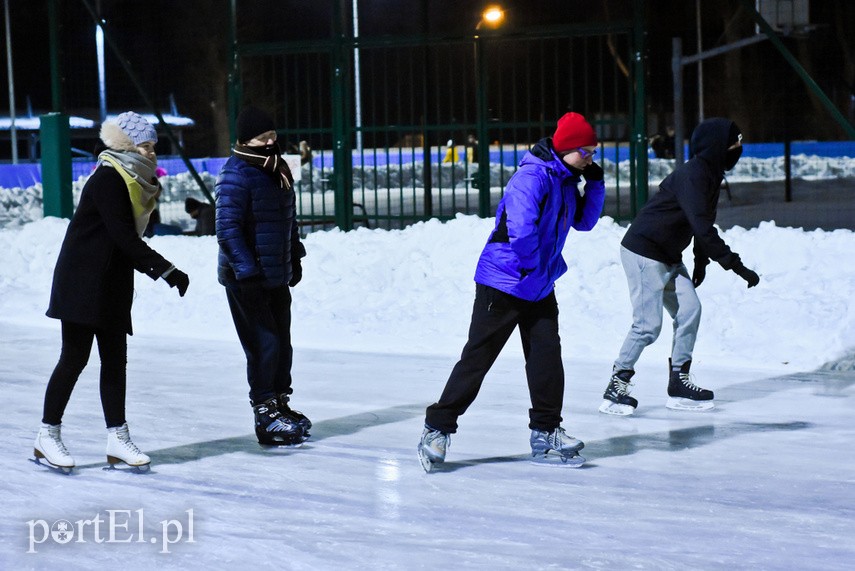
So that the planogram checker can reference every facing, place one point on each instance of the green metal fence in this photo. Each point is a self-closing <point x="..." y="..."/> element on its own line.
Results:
<point x="440" y="123"/>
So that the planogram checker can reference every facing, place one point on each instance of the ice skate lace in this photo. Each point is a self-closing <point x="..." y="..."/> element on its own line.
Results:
<point x="687" y="382"/>
<point x="55" y="435"/>
<point x="621" y="387"/>
<point x="443" y="441"/>
<point x="557" y="438"/>
<point x="124" y="438"/>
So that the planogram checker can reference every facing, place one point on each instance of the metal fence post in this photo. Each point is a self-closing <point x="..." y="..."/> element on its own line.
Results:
<point x="342" y="147"/>
<point x="56" y="165"/>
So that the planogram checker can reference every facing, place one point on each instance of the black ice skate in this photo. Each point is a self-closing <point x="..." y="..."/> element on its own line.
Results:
<point x="271" y="428"/>
<point x="616" y="399"/>
<point x="294" y="415"/>
<point x="683" y="394"/>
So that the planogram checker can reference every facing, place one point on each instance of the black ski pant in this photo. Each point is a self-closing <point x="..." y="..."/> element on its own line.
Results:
<point x="76" y="347"/>
<point x="262" y="318"/>
<point x="495" y="315"/>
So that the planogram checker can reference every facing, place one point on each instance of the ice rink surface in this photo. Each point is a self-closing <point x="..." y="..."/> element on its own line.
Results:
<point x="765" y="481"/>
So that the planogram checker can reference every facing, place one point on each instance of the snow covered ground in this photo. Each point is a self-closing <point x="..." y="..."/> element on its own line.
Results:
<point x="765" y="481"/>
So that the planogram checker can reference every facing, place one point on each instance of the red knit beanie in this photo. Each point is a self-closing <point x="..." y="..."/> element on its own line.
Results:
<point x="572" y="132"/>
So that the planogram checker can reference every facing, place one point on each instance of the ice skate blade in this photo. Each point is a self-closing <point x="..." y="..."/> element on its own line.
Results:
<point x="557" y="460"/>
<point x="613" y="408"/>
<point x="116" y="465"/>
<point x="675" y="403"/>
<point x="64" y="470"/>
<point x="426" y="461"/>
<point x="276" y="445"/>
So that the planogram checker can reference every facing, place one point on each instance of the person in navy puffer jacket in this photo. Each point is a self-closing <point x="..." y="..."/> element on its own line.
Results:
<point x="260" y="252"/>
<point x="557" y="187"/>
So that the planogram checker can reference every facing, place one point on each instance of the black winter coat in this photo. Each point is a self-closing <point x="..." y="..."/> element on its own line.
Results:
<point x="686" y="205"/>
<point x="93" y="282"/>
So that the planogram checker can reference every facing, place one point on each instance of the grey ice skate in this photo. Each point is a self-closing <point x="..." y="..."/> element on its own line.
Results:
<point x="556" y="448"/>
<point x="432" y="447"/>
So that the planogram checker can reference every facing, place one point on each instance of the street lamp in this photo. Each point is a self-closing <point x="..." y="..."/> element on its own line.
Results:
<point x="492" y="17"/>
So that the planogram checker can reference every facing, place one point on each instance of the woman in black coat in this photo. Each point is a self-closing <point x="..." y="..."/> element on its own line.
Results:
<point x="93" y="284"/>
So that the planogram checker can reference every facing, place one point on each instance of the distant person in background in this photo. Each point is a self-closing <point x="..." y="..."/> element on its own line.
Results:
<point x="471" y="148"/>
<point x="93" y="285"/>
<point x="303" y="149"/>
<point x="259" y="258"/>
<point x="204" y="214"/>
<point x="514" y="288"/>
<point x="155" y="226"/>
<point x="663" y="145"/>
<point x="651" y="252"/>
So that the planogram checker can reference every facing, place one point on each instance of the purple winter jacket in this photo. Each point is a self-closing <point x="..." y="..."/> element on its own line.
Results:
<point x="541" y="203"/>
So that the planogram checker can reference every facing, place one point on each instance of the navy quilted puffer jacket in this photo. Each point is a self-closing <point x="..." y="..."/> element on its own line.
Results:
<point x="256" y="226"/>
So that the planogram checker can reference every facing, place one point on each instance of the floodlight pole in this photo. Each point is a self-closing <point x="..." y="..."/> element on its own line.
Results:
<point x="99" y="54"/>
<point x="13" y="132"/>
<point x="138" y="84"/>
<point x="356" y="80"/>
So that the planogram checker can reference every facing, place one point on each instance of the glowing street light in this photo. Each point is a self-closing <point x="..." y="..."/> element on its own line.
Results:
<point x="492" y="17"/>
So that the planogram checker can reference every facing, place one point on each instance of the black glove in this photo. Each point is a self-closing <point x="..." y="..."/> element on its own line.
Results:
<point x="179" y="279"/>
<point x="699" y="273"/>
<point x="593" y="172"/>
<point x="748" y="275"/>
<point x="296" y="272"/>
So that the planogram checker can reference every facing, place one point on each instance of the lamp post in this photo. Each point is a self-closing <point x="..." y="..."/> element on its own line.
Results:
<point x="491" y="17"/>
<point x="13" y="133"/>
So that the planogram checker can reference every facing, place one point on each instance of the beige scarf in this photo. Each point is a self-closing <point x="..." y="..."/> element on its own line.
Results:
<point x="138" y="173"/>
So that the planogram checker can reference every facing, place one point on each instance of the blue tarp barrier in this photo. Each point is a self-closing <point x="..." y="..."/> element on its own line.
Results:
<point x="27" y="174"/>
<point x="21" y="175"/>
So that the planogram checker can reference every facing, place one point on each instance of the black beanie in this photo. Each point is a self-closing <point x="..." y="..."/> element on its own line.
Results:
<point x="252" y="122"/>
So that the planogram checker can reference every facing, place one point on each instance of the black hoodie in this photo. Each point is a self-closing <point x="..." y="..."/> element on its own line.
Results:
<point x="686" y="205"/>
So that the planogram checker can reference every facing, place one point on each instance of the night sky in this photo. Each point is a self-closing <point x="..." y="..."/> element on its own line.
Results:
<point x="179" y="48"/>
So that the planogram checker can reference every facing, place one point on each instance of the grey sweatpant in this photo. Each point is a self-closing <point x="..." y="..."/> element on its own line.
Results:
<point x="652" y="286"/>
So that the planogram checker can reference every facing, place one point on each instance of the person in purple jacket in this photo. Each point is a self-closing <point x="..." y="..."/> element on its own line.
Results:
<point x="515" y="280"/>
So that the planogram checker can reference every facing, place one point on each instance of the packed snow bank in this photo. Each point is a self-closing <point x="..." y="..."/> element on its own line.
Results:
<point x="411" y="291"/>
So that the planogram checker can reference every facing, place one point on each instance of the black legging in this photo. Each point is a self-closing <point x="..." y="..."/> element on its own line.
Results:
<point x="76" y="347"/>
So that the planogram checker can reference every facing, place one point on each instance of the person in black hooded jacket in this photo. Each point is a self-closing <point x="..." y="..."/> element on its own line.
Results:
<point x="684" y="209"/>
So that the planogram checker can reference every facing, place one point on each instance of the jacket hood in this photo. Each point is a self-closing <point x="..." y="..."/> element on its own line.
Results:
<point x="710" y="141"/>
<point x="115" y="138"/>
<point x="542" y="153"/>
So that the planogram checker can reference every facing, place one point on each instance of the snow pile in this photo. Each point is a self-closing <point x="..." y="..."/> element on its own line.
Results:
<point x="410" y="292"/>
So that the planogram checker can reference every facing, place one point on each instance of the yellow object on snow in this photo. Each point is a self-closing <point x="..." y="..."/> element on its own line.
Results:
<point x="451" y="153"/>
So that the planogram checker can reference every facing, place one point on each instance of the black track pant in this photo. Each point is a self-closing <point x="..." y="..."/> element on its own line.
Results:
<point x="494" y="316"/>
<point x="76" y="347"/>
